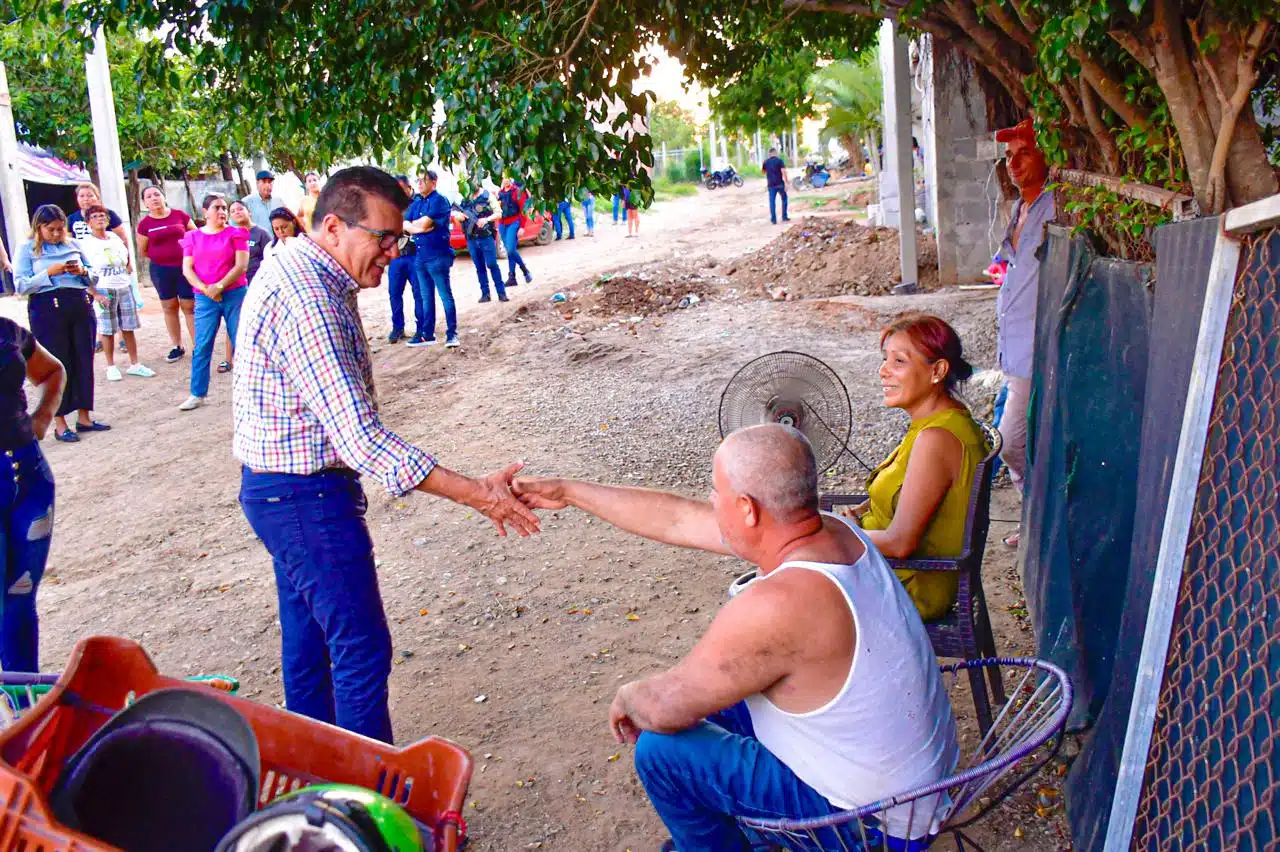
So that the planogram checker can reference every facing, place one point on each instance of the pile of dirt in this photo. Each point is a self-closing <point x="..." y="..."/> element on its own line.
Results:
<point x="821" y="257"/>
<point x="649" y="289"/>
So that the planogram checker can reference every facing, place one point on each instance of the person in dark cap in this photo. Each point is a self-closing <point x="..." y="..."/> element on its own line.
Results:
<point x="262" y="202"/>
<point x="1016" y="304"/>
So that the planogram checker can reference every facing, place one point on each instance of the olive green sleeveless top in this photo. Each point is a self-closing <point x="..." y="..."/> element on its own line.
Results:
<point x="933" y="591"/>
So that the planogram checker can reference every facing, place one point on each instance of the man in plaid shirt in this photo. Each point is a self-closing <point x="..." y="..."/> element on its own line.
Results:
<point x="307" y="427"/>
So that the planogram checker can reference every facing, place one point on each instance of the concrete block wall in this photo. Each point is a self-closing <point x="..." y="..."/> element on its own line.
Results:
<point x="962" y="192"/>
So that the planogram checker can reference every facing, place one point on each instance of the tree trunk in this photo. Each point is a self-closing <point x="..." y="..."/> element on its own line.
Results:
<point x="196" y="212"/>
<point x="134" y="197"/>
<point x="224" y="162"/>
<point x="857" y="162"/>
<point x="873" y="147"/>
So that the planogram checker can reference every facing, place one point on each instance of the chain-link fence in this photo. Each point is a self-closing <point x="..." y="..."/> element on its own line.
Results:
<point x="1213" y="769"/>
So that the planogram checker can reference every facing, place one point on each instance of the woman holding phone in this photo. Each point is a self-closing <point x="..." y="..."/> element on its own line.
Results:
<point x="52" y="271"/>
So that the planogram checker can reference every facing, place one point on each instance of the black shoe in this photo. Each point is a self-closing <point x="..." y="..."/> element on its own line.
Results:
<point x="528" y="279"/>
<point x="503" y="299"/>
<point x="93" y="426"/>
<point x="511" y="282"/>
<point x="485" y="298"/>
<point x="175" y="354"/>
<point x="786" y="218"/>
<point x="67" y="437"/>
<point x="569" y="237"/>
<point x="558" y="239"/>
<point x="396" y="335"/>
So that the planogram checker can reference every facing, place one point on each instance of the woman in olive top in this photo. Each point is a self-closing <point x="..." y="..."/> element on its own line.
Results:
<point x="160" y="234"/>
<point x="52" y="271"/>
<point x="918" y="498"/>
<point x="26" y="488"/>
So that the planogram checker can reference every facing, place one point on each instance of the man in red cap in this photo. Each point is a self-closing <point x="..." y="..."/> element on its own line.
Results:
<point x="1016" y="304"/>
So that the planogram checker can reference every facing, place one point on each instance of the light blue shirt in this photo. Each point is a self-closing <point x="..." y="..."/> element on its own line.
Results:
<point x="31" y="273"/>
<point x="1016" y="304"/>
<point x="260" y="211"/>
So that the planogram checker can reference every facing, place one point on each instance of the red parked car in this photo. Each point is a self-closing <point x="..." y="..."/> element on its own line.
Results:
<point x="536" y="229"/>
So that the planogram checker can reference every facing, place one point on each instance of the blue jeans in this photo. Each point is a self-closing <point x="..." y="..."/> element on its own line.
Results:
<point x="511" y="240"/>
<point x="335" y="647"/>
<point x="434" y="275"/>
<point x="400" y="273"/>
<point x="484" y="254"/>
<point x="209" y="317"/>
<point x="701" y="778"/>
<point x="774" y="192"/>
<point x="26" y="529"/>
<point x="617" y="205"/>
<point x="589" y="213"/>
<point x="563" y="210"/>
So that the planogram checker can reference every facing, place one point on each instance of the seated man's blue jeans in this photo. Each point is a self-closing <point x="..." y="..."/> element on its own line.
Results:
<point x="484" y="254"/>
<point x="334" y="642"/>
<point x="774" y="192"/>
<point x="511" y="241"/>
<point x="700" y="779"/>
<point x="434" y="278"/>
<point x="400" y="273"/>
<point x="209" y="314"/>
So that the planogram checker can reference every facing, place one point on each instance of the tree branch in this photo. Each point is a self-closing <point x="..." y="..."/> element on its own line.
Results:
<point x="1246" y="79"/>
<point x="1135" y="47"/>
<point x="949" y="32"/>
<point x="964" y="17"/>
<point x="1089" y="104"/>
<point x="993" y="10"/>
<point x="582" y="31"/>
<point x="837" y="7"/>
<point x="1108" y="89"/>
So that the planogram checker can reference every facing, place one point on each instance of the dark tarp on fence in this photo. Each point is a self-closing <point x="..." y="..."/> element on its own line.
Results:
<point x="1183" y="253"/>
<point x="1084" y="431"/>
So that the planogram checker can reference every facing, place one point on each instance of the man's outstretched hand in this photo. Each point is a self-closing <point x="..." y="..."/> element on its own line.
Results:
<point x="540" y="493"/>
<point x="496" y="502"/>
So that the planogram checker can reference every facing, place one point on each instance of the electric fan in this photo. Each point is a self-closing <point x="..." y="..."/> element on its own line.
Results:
<point x="796" y="390"/>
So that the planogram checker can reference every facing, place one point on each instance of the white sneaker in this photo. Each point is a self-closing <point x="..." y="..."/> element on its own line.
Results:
<point x="142" y="371"/>
<point x="113" y="374"/>
<point x="451" y="343"/>
<point x="192" y="403"/>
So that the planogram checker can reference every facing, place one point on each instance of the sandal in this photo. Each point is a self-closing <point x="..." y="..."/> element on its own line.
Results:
<point x="67" y="436"/>
<point x="224" y="367"/>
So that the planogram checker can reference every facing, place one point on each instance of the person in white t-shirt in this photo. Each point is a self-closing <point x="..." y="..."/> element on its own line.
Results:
<point x="114" y="305"/>
<point x="814" y="690"/>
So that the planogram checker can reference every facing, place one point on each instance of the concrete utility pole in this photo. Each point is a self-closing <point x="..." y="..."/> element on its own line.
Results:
<point x="13" y="196"/>
<point x="897" y="181"/>
<point x="712" y="165"/>
<point x="106" y="138"/>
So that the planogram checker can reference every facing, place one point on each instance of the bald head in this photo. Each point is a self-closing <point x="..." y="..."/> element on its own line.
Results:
<point x="774" y="465"/>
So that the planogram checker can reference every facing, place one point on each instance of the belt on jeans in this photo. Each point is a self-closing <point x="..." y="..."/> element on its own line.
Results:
<point x="341" y="471"/>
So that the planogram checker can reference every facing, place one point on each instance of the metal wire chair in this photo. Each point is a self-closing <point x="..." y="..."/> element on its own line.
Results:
<point x="1036" y="711"/>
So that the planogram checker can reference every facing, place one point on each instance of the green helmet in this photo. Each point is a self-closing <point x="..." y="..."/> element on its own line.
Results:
<point x="327" y="818"/>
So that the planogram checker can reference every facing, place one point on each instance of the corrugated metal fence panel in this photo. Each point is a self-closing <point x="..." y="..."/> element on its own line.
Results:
<point x="1183" y="253"/>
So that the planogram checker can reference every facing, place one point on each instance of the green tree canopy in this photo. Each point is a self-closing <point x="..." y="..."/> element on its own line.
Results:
<point x="672" y="125"/>
<point x="1157" y="89"/>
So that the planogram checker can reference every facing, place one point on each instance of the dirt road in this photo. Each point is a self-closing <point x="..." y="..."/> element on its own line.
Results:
<point x="151" y="544"/>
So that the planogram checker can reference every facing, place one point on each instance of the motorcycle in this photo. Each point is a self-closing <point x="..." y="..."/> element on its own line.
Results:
<point x="724" y="177"/>
<point x="815" y="176"/>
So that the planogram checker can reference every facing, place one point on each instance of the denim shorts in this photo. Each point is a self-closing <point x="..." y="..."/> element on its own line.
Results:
<point x="170" y="283"/>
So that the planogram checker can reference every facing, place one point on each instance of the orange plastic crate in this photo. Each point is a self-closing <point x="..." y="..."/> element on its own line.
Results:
<point x="428" y="779"/>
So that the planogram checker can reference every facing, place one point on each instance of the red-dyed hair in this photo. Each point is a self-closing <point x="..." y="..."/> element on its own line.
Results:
<point x="936" y="340"/>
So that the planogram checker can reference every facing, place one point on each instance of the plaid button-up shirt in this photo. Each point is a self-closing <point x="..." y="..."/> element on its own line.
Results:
<point x="303" y="391"/>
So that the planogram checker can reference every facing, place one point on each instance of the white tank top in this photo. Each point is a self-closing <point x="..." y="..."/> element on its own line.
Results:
<point x="890" y="727"/>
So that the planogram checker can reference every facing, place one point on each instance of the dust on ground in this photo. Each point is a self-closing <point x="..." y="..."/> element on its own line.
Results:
<point x="150" y="542"/>
<point x="820" y="256"/>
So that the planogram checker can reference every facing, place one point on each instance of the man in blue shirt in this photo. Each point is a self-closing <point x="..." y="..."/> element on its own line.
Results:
<point x="262" y="202"/>
<point x="428" y="220"/>
<point x="399" y="273"/>
<point x="776" y="172"/>
<point x="1016" y="302"/>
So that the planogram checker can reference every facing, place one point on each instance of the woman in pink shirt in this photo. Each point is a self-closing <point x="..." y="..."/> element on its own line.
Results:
<point x="214" y="260"/>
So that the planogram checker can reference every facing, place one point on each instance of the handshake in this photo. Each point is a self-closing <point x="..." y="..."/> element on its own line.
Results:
<point x="504" y="499"/>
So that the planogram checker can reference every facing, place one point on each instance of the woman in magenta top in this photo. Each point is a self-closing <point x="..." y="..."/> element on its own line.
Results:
<point x="214" y="260"/>
<point x="160" y="234"/>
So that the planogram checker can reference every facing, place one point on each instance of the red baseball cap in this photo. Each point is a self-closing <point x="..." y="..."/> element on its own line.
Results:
<point x="1023" y="131"/>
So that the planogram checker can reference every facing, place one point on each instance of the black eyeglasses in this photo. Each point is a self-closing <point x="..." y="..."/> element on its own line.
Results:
<point x="386" y="239"/>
